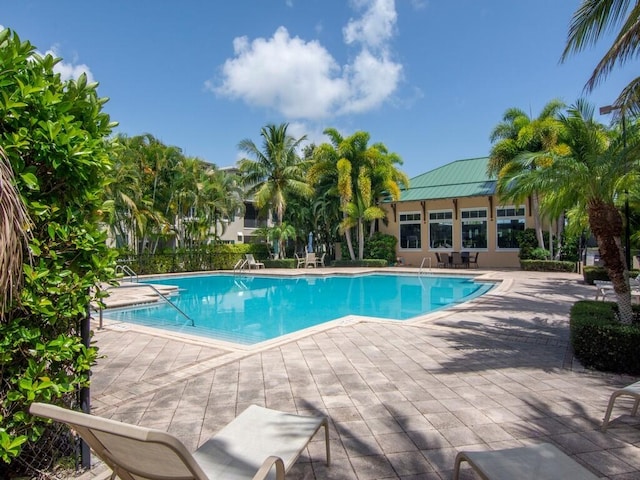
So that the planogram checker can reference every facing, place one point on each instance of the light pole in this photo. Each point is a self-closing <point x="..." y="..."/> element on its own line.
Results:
<point x="627" y="245"/>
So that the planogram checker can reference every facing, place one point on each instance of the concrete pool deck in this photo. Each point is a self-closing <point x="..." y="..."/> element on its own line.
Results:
<point x="402" y="398"/>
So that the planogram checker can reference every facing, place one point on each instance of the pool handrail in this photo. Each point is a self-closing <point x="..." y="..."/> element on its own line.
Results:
<point x="159" y="293"/>
<point x="126" y="270"/>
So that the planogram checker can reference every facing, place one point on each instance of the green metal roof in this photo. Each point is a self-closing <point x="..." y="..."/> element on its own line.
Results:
<point x="462" y="178"/>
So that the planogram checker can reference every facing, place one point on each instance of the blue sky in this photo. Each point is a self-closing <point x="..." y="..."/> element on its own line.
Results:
<point x="428" y="78"/>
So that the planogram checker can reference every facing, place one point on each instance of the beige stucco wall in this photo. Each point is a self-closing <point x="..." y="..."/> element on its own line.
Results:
<point x="488" y="257"/>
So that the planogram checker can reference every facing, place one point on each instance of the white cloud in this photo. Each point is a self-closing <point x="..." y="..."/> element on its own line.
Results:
<point x="302" y="80"/>
<point x="377" y="25"/>
<point x="372" y="80"/>
<point x="67" y="70"/>
<point x="297" y="78"/>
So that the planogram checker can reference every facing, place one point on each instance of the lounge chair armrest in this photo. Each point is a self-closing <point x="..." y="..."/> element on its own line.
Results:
<point x="266" y="467"/>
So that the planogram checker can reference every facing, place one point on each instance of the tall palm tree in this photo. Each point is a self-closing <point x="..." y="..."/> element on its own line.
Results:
<point x="591" y="20"/>
<point x="360" y="173"/>
<point x="14" y="224"/>
<point x="517" y="133"/>
<point x="275" y="172"/>
<point x="591" y="174"/>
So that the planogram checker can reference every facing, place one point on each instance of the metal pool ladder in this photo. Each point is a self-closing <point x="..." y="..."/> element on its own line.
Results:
<point x="422" y="265"/>
<point x="128" y="271"/>
<point x="240" y="265"/>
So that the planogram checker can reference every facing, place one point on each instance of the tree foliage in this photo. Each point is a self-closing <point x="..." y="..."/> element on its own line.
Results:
<point x="591" y="20"/>
<point x="54" y="133"/>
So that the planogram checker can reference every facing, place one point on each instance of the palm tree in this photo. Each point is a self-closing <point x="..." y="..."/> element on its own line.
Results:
<point x="517" y="134"/>
<point x="275" y="171"/>
<point x="591" y="174"/>
<point x="223" y="198"/>
<point x="15" y="222"/>
<point x="593" y="19"/>
<point x="358" y="174"/>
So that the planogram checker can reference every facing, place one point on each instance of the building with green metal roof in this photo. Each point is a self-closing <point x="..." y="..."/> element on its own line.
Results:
<point x="451" y="214"/>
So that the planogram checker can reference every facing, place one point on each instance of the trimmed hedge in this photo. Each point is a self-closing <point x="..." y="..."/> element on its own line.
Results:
<point x="367" y="262"/>
<point x="591" y="273"/>
<point x="599" y="341"/>
<point x="212" y="257"/>
<point x="280" y="263"/>
<point x="547" y="266"/>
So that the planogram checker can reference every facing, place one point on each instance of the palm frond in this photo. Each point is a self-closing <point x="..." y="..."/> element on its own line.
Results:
<point x="15" y="226"/>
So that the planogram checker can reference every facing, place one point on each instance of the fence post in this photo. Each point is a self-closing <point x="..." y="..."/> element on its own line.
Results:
<point x="85" y="394"/>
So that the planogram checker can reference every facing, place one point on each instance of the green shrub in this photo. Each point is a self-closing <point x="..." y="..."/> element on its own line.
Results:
<point x="280" y="263"/>
<point x="539" y="254"/>
<point x="591" y="273"/>
<point x="367" y="262"/>
<point x="599" y="341"/>
<point x="527" y="242"/>
<point x="212" y="257"/>
<point x="381" y="246"/>
<point x="547" y="266"/>
<point x="55" y="136"/>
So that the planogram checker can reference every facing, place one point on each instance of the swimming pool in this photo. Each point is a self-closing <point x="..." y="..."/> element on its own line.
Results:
<point x="252" y="309"/>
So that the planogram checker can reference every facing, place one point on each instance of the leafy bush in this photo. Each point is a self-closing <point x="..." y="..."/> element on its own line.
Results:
<point x="281" y="263"/>
<point x="547" y="266"/>
<point x="527" y="242"/>
<point x="539" y="254"/>
<point x="591" y="273"/>
<point x="54" y="134"/>
<point x="599" y="341"/>
<point x="367" y="262"/>
<point x="381" y="246"/>
<point x="212" y="257"/>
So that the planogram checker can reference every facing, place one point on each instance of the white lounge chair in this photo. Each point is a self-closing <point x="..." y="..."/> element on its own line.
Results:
<point x="299" y="260"/>
<point x="320" y="261"/>
<point x="632" y="391"/>
<point x="605" y="287"/>
<point x="534" y="462"/>
<point x="252" y="446"/>
<point x="251" y="261"/>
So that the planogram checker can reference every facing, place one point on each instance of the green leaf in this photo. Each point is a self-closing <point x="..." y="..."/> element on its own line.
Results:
<point x="30" y="180"/>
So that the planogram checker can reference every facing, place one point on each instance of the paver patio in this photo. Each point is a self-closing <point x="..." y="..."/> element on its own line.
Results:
<point x="403" y="397"/>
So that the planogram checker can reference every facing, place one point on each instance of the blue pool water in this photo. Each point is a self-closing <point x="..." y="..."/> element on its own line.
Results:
<point x="248" y="309"/>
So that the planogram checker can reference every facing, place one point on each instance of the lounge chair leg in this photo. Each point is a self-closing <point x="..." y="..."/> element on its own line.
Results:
<point x="326" y="440"/>
<point x="607" y="416"/>
<point x="456" y="468"/>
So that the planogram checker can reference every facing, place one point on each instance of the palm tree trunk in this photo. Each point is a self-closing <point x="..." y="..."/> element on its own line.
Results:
<point x="347" y="236"/>
<point x="360" y="239"/>
<point x="606" y="224"/>
<point x="535" y="203"/>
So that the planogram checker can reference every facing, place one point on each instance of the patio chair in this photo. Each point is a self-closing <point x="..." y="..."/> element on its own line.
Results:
<point x="439" y="262"/>
<point x="252" y="263"/>
<point x="299" y="260"/>
<point x="456" y="260"/>
<point x="473" y="260"/>
<point x="533" y="462"/>
<point x="310" y="260"/>
<point x="633" y="391"/>
<point x="320" y="261"/>
<point x="249" y="447"/>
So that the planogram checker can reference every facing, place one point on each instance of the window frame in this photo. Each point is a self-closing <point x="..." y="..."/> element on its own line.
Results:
<point x="447" y="221"/>
<point x="484" y="219"/>
<point x="514" y="215"/>
<point x="416" y="219"/>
